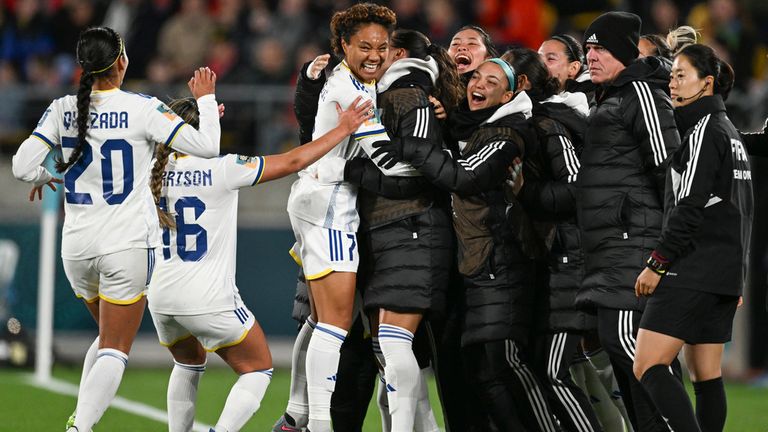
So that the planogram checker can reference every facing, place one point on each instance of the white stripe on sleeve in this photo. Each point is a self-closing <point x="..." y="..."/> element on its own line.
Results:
<point x="651" y="118"/>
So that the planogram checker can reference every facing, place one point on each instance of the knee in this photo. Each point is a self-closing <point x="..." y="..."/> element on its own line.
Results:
<point x="639" y="367"/>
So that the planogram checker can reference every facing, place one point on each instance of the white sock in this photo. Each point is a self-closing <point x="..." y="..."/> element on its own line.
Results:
<point x="182" y="396"/>
<point x="402" y="374"/>
<point x="602" y="366"/>
<point x="244" y="400"/>
<point x="607" y="414"/>
<point x="88" y="362"/>
<point x="381" y="389"/>
<point x="100" y="387"/>
<point x="425" y="418"/>
<point x="298" y="403"/>
<point x="322" y="365"/>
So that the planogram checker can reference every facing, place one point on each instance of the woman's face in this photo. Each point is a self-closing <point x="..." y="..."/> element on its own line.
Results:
<point x="488" y="87"/>
<point x="553" y="52"/>
<point x="367" y="51"/>
<point x="685" y="86"/>
<point x="467" y="50"/>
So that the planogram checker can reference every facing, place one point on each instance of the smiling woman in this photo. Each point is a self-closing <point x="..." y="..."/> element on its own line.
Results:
<point x="324" y="213"/>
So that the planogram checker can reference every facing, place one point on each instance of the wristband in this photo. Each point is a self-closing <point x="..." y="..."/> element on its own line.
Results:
<point x="657" y="263"/>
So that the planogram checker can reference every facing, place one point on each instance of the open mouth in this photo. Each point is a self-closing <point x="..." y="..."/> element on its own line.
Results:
<point x="477" y="98"/>
<point x="462" y="61"/>
<point x="370" y="67"/>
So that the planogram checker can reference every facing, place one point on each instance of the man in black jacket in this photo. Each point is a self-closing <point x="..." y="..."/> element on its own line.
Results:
<point x="630" y="135"/>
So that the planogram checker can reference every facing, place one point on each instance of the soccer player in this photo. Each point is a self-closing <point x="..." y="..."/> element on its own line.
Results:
<point x="193" y="299"/>
<point x="695" y="276"/>
<point x="108" y="137"/>
<point x="324" y="216"/>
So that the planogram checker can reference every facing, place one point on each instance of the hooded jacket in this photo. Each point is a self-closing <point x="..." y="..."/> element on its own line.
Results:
<point x="498" y="300"/>
<point x="620" y="189"/>
<point x="709" y="204"/>
<point x="549" y="196"/>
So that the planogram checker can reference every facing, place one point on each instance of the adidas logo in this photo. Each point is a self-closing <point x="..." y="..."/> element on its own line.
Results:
<point x="331" y="378"/>
<point x="390" y="388"/>
<point x="592" y="39"/>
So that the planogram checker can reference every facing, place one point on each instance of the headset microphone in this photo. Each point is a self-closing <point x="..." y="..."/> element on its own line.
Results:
<point x="682" y="99"/>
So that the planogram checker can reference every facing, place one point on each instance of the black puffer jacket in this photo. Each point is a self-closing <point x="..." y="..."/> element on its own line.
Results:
<point x="630" y="136"/>
<point x="406" y="241"/>
<point x="549" y="195"/>
<point x="498" y="278"/>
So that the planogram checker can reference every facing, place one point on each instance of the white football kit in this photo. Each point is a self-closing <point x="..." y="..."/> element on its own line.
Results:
<point x="107" y="201"/>
<point x="328" y="211"/>
<point x="193" y="289"/>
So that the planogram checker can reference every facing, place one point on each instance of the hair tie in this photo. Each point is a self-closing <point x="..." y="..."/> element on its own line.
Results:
<point x="508" y="70"/>
<point x="569" y="46"/>
<point x="119" y="54"/>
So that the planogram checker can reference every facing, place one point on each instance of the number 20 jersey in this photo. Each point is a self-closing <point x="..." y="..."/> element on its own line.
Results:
<point x="195" y="270"/>
<point x="108" y="204"/>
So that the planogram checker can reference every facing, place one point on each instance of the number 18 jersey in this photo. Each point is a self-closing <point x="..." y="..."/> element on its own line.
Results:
<point x="108" y="204"/>
<point x="195" y="273"/>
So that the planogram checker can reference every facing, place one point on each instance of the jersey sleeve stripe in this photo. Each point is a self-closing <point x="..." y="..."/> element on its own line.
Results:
<point x="366" y="134"/>
<point x="172" y="136"/>
<point x="42" y="138"/>
<point x="260" y="172"/>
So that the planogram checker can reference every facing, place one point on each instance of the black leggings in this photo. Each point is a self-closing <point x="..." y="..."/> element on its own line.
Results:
<point x="507" y="388"/>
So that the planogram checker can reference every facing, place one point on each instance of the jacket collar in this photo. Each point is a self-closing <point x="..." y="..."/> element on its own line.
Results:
<point x="405" y="66"/>
<point x="521" y="103"/>
<point x="687" y="116"/>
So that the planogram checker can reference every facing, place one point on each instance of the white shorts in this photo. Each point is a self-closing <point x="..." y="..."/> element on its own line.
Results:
<point x="119" y="278"/>
<point x="214" y="330"/>
<point x="320" y="251"/>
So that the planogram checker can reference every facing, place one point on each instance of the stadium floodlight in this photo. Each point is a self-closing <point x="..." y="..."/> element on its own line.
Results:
<point x="49" y="227"/>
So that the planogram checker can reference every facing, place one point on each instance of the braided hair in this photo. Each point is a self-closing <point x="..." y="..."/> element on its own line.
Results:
<point x="185" y="108"/>
<point x="98" y="50"/>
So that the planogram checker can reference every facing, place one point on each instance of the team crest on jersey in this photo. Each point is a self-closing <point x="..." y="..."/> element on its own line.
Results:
<point x="164" y="110"/>
<point x="249" y="161"/>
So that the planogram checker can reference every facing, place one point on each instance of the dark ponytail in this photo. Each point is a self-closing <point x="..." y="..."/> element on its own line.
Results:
<point x="448" y="85"/>
<point x="98" y="50"/>
<point x="707" y="63"/>
<point x="528" y="62"/>
<point x="185" y="108"/>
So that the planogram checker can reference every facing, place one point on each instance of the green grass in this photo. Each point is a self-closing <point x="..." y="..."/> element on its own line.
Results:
<point x="26" y="408"/>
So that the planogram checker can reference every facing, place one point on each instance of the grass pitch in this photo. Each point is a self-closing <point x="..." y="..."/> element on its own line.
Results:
<point x="24" y="407"/>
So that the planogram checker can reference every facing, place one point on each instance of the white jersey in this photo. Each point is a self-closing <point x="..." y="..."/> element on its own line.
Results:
<point x="108" y="203"/>
<point x="334" y="205"/>
<point x="195" y="273"/>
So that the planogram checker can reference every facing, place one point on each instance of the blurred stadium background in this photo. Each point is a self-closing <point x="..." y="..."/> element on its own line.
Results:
<point x="256" y="47"/>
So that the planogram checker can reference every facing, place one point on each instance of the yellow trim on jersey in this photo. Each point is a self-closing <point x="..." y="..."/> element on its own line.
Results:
<point x="42" y="141"/>
<point x="346" y="66"/>
<point x="261" y="172"/>
<point x="227" y="345"/>
<point x="113" y="89"/>
<point x="383" y="133"/>
<point x="175" y="134"/>
<point x="92" y="300"/>
<point x="325" y="272"/>
<point x="295" y="257"/>
<point x="187" y="336"/>
<point x="122" y="302"/>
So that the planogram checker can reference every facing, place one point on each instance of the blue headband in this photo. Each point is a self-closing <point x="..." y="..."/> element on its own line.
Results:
<point x="508" y="70"/>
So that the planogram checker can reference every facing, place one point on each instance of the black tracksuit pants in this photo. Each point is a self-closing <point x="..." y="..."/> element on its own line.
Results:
<point x="508" y="390"/>
<point x="554" y="354"/>
<point x="617" y="330"/>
